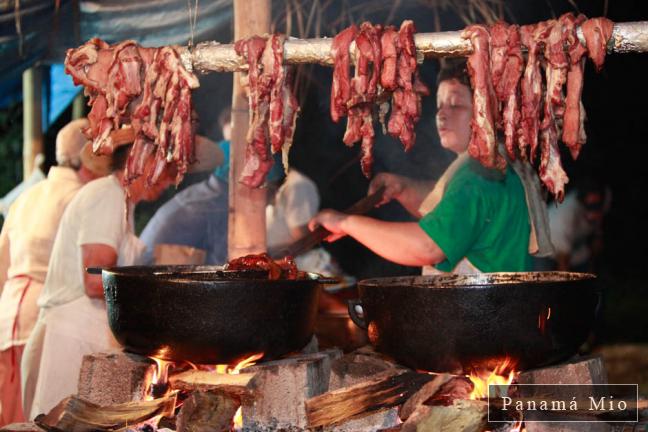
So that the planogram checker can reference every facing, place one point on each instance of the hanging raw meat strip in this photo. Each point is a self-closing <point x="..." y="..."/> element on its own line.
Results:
<point x="597" y="32"/>
<point x="406" y="99"/>
<point x="573" y="131"/>
<point x="146" y="88"/>
<point x="483" y="144"/>
<point x="341" y="87"/>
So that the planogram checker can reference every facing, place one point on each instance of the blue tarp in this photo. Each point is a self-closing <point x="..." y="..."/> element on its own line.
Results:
<point x="38" y="32"/>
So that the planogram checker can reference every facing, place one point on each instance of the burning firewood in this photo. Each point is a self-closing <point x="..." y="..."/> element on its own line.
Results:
<point x="237" y="385"/>
<point x="425" y="393"/>
<point x="207" y="412"/>
<point x="73" y="414"/>
<point x="386" y="390"/>
<point x="462" y="416"/>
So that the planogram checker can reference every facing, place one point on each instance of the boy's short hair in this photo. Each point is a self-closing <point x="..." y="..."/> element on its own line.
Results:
<point x="454" y="68"/>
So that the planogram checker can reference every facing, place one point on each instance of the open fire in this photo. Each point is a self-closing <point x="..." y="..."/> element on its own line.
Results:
<point x="159" y="381"/>
<point x="503" y="374"/>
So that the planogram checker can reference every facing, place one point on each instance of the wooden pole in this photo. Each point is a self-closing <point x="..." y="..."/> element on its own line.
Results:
<point x="246" y="229"/>
<point x="78" y="106"/>
<point x="32" y="118"/>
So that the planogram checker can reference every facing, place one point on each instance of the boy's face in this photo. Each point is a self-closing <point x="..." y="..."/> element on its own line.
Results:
<point x="454" y="112"/>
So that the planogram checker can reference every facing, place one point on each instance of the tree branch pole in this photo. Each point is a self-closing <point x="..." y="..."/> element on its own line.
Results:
<point x="214" y="57"/>
<point x="247" y="224"/>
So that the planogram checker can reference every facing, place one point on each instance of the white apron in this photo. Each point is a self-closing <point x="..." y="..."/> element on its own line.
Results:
<point x="62" y="336"/>
<point x="432" y="200"/>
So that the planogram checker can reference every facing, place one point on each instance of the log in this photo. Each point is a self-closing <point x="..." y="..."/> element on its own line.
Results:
<point x="425" y="393"/>
<point x="461" y="416"/>
<point x="21" y="427"/>
<point x="356" y="367"/>
<point x="385" y="391"/>
<point x="214" y="57"/>
<point x="359" y="366"/>
<point x="207" y="412"/>
<point x="73" y="414"/>
<point x="238" y="385"/>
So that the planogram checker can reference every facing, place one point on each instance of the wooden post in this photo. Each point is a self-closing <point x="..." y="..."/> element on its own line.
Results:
<point x="32" y="118"/>
<point x="247" y="229"/>
<point x="78" y="106"/>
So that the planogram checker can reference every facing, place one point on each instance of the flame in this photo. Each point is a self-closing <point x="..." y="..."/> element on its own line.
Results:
<point x="159" y="379"/>
<point x="503" y="374"/>
<point x="227" y="369"/>
<point x="246" y="363"/>
<point x="238" y="419"/>
<point x="518" y="427"/>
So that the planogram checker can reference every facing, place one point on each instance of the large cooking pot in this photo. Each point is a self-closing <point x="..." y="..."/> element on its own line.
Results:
<point x="459" y="322"/>
<point x="206" y="315"/>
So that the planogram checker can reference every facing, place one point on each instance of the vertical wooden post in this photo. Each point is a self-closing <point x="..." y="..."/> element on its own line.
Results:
<point x="78" y="106"/>
<point x="246" y="229"/>
<point x="32" y="118"/>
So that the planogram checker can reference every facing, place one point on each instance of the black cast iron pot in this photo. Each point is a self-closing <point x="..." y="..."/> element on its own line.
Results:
<point x="206" y="315"/>
<point x="459" y="322"/>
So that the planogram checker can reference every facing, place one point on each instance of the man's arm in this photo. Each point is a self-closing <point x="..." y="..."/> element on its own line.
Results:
<point x="96" y="255"/>
<point x="400" y="242"/>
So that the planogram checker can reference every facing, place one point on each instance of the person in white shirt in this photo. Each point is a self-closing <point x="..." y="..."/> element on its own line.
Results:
<point x="96" y="231"/>
<point x="25" y="247"/>
<point x="295" y="203"/>
<point x="577" y="225"/>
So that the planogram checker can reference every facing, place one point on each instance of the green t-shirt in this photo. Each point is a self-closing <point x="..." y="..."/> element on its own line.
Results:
<point x="482" y="216"/>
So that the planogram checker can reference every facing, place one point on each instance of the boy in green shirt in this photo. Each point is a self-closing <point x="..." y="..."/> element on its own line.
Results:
<point x="478" y="220"/>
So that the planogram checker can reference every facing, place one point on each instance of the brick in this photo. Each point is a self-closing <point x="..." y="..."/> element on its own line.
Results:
<point x="114" y="377"/>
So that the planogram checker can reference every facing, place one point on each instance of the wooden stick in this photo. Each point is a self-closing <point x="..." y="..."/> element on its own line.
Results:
<point x="237" y="385"/>
<point x="214" y="57"/>
<point x="385" y="391"/>
<point x="76" y="415"/>
<point x="425" y="393"/>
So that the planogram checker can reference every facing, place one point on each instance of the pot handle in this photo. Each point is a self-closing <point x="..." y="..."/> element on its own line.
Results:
<point x="94" y="270"/>
<point x="357" y="316"/>
<point x="324" y="279"/>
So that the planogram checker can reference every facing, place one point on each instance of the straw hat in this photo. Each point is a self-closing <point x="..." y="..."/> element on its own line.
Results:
<point x="208" y="155"/>
<point x="69" y="142"/>
<point x="99" y="165"/>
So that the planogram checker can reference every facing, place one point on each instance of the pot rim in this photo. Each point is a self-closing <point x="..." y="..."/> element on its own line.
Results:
<point x="183" y="272"/>
<point x="477" y="280"/>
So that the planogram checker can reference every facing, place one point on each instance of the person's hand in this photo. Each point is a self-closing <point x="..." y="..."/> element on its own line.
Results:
<point x="394" y="186"/>
<point x="332" y="221"/>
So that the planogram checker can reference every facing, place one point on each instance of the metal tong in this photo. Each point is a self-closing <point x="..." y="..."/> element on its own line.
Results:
<point x="316" y="236"/>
